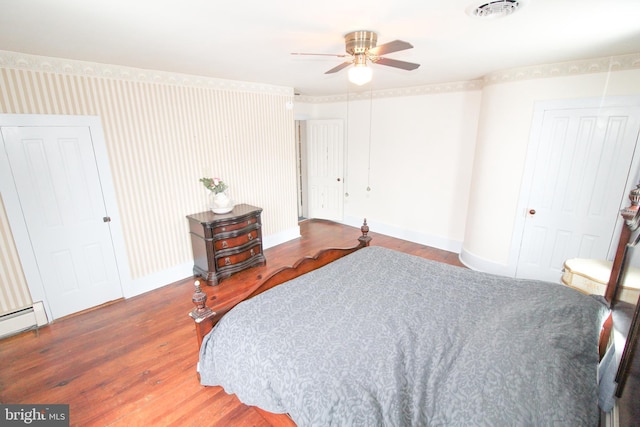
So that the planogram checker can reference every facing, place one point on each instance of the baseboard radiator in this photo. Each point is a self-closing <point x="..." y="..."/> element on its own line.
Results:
<point x="22" y="320"/>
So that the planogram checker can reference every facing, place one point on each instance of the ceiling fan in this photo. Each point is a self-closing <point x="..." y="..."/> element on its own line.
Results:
<point x="361" y="46"/>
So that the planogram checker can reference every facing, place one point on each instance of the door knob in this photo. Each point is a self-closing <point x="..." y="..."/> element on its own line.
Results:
<point x="532" y="211"/>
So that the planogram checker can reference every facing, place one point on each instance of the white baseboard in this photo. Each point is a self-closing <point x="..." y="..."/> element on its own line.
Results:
<point x="157" y="280"/>
<point x="179" y="272"/>
<point x="478" y="263"/>
<point x="406" y="234"/>
<point x="282" y="237"/>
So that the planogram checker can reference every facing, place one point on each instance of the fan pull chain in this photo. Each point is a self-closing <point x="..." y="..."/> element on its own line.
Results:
<point x="370" y="126"/>
<point x="346" y="156"/>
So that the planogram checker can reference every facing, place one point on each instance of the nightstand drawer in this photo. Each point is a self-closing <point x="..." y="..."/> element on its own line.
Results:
<point x="239" y="258"/>
<point x="232" y="226"/>
<point x="233" y="242"/>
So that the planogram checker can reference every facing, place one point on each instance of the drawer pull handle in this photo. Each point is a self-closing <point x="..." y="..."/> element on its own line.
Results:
<point x="250" y="237"/>
<point x="252" y="253"/>
<point x="225" y="244"/>
<point x="227" y="261"/>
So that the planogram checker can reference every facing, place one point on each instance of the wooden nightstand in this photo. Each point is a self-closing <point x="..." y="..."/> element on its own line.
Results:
<point x="226" y="244"/>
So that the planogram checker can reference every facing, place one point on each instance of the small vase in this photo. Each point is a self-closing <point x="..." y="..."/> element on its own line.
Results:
<point x="221" y="203"/>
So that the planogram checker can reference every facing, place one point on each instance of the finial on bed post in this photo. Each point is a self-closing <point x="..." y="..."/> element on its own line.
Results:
<point x="365" y="238"/>
<point x="201" y="313"/>
<point x="630" y="213"/>
<point x="199" y="299"/>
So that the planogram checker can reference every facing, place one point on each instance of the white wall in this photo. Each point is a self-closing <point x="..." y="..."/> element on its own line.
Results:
<point x="503" y="137"/>
<point x="447" y="165"/>
<point x="418" y="164"/>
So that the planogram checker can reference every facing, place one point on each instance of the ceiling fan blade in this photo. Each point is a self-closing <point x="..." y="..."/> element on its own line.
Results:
<point x="339" y="55"/>
<point x="339" y="67"/>
<point x="393" y="46"/>
<point x="397" y="64"/>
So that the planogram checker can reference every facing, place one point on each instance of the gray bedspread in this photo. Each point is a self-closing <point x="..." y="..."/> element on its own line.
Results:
<point x="385" y="338"/>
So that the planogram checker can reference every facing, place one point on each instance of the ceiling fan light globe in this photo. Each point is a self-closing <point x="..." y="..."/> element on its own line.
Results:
<point x="360" y="74"/>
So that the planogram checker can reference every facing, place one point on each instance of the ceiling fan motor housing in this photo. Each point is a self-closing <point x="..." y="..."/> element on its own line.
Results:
<point x="358" y="42"/>
<point x="362" y="46"/>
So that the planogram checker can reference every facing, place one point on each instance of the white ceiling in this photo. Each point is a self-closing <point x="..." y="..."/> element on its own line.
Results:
<point x="251" y="40"/>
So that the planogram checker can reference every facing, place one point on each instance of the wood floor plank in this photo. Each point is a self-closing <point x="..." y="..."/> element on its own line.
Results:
<point x="133" y="362"/>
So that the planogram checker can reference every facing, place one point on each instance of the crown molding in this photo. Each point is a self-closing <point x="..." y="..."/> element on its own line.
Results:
<point x="564" y="69"/>
<point x="391" y="93"/>
<point x="23" y="61"/>
<point x="573" y="68"/>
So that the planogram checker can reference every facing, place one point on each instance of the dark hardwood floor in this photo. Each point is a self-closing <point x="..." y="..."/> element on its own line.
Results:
<point x="132" y="362"/>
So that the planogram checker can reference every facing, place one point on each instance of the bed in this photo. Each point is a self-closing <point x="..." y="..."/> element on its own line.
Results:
<point x="371" y="336"/>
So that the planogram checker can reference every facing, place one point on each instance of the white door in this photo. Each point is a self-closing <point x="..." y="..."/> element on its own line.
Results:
<point x="58" y="185"/>
<point x="581" y="171"/>
<point x="325" y="144"/>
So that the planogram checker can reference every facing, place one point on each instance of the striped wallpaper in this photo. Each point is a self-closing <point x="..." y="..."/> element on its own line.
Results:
<point x="14" y="293"/>
<point x="163" y="132"/>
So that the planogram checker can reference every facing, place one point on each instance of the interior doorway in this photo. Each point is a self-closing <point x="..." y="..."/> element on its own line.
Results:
<point x="301" y="176"/>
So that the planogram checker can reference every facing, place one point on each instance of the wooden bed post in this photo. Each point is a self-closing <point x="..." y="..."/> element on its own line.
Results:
<point x="631" y="222"/>
<point x="365" y="238"/>
<point x="201" y="314"/>
<point x="631" y="215"/>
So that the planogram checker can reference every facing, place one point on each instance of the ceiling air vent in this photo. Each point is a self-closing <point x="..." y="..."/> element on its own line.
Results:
<point x="494" y="9"/>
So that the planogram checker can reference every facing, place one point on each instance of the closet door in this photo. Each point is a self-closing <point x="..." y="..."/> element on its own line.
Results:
<point x="60" y="195"/>
<point x="581" y="172"/>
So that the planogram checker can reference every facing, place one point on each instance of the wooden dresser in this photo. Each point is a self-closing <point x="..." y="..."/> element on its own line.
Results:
<point x="226" y="244"/>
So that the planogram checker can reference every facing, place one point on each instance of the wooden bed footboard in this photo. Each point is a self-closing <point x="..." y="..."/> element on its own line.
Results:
<point x="205" y="318"/>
